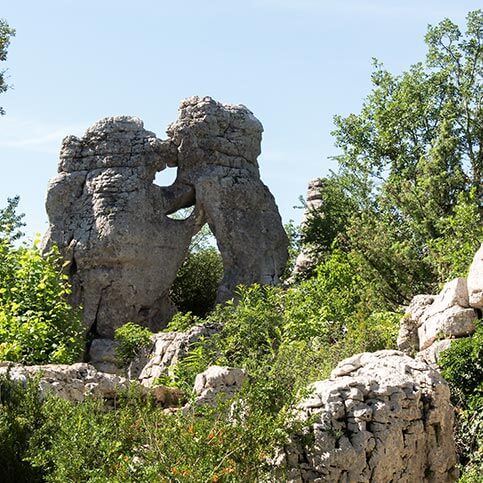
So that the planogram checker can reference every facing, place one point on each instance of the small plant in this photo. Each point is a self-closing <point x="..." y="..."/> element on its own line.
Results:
<point x="132" y="340"/>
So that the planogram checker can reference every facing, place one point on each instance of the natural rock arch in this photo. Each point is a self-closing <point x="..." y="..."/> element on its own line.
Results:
<point x="111" y="221"/>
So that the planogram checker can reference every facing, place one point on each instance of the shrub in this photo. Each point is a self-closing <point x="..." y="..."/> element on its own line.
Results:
<point x="132" y="340"/>
<point x="197" y="281"/>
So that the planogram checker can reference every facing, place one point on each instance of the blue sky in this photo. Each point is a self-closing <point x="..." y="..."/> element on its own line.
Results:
<point x="294" y="63"/>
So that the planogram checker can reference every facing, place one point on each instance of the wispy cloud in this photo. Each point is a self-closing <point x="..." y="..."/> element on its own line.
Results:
<point x="35" y="136"/>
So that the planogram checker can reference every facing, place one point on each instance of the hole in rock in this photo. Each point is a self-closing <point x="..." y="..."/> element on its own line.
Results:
<point x="166" y="177"/>
<point x="182" y="214"/>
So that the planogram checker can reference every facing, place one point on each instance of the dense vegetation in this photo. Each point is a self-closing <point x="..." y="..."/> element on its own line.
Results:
<point x="401" y="216"/>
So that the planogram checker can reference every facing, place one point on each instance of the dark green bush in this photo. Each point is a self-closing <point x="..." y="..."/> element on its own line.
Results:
<point x="197" y="281"/>
<point x="132" y="340"/>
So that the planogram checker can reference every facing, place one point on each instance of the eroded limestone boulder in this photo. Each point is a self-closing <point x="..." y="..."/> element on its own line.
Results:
<point x="217" y="149"/>
<point x="218" y="382"/>
<point x="72" y="382"/>
<point x="110" y="222"/>
<point x="381" y="417"/>
<point x="431" y="318"/>
<point x="168" y="348"/>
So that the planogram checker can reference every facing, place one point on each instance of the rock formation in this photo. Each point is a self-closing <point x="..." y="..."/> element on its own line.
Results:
<point x="381" y="417"/>
<point x="431" y="322"/>
<point x="217" y="147"/>
<point x="110" y="220"/>
<point x="305" y="261"/>
<point x="218" y="383"/>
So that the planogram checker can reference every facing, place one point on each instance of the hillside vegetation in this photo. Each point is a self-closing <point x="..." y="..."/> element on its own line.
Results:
<point x="402" y="215"/>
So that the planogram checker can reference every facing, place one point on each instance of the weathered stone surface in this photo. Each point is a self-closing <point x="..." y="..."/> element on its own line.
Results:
<point x="381" y="417"/>
<point x="168" y="348"/>
<point x="305" y="260"/>
<point x="111" y="221"/>
<point x="432" y="354"/>
<point x="475" y="280"/>
<point x="429" y="318"/>
<point x="217" y="149"/>
<point x="455" y="321"/>
<point x="216" y="383"/>
<point x="408" y="340"/>
<point x="102" y="355"/>
<point x="72" y="382"/>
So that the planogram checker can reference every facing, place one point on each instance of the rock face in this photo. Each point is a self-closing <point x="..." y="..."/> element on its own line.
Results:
<point x="168" y="348"/>
<point x="217" y="382"/>
<point x="475" y="280"/>
<point x="432" y="322"/>
<point x="304" y="259"/>
<point x="111" y="221"/>
<point x="217" y="147"/>
<point x="72" y="382"/>
<point x="381" y="417"/>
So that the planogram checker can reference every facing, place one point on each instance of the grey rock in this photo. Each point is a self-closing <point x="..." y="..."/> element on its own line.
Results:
<point x="475" y="280"/>
<point x="102" y="355"/>
<point x="112" y="223"/>
<point x="108" y="219"/>
<point x="168" y="348"/>
<point x="217" y="149"/>
<point x="455" y="321"/>
<point x="408" y="340"/>
<point x="305" y="260"/>
<point x="217" y="382"/>
<point x="381" y="417"/>
<point x="72" y="382"/>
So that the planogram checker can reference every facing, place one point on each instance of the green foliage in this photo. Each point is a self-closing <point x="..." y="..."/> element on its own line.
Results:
<point x="462" y="367"/>
<point x="37" y="324"/>
<point x="294" y="246"/>
<point x="20" y="417"/>
<point x="132" y="340"/>
<point x="196" y="284"/>
<point x="406" y="201"/>
<point x="6" y="33"/>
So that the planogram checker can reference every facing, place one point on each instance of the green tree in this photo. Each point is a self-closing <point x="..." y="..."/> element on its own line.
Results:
<point x="6" y="33"/>
<point x="410" y="169"/>
<point x="37" y="324"/>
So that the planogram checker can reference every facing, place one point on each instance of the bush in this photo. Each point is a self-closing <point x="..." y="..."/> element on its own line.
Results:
<point x="132" y="340"/>
<point x="462" y="367"/>
<point x="197" y="281"/>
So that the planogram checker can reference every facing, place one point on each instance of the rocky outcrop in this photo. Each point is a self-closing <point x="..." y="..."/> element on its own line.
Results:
<point x="380" y="417"/>
<point x="305" y="261"/>
<point x="72" y="382"/>
<point x="217" y="383"/>
<point x="431" y="322"/>
<point x="168" y="348"/>
<point x="111" y="222"/>
<point x="217" y="149"/>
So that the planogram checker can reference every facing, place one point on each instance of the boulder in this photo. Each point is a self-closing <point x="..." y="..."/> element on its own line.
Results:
<point x="380" y="417"/>
<point x="168" y="348"/>
<point x="475" y="280"/>
<point x="109" y="220"/>
<point x="408" y="340"/>
<point x="453" y="322"/>
<point x="217" y="150"/>
<point x="72" y="382"/>
<point x="102" y="355"/>
<point x="113" y="224"/>
<point x="216" y="383"/>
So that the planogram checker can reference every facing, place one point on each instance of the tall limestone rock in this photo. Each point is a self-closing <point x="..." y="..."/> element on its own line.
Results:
<point x="110" y="220"/>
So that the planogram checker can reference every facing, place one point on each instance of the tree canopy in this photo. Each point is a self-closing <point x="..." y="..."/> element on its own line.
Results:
<point x="6" y="33"/>
<point x="408" y="192"/>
